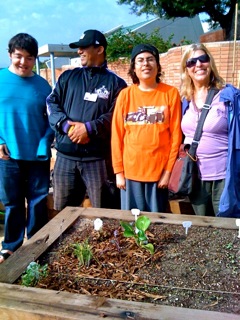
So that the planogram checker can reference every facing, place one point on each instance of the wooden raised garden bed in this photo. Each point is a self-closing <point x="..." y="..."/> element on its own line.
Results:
<point x="19" y="302"/>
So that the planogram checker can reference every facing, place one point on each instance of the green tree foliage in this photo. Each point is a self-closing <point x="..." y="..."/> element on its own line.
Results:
<point x="220" y="12"/>
<point x="120" y="43"/>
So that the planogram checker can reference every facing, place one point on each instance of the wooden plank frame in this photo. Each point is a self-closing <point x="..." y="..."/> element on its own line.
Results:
<point x="18" y="302"/>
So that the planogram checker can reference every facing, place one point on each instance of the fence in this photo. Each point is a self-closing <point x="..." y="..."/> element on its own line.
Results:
<point x="225" y="53"/>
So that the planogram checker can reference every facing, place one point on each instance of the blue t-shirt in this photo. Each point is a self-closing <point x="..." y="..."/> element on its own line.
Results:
<point x="24" y="126"/>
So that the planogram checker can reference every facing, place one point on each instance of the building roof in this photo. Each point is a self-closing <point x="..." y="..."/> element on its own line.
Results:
<point x="188" y="28"/>
<point x="133" y="27"/>
<point x="59" y="50"/>
<point x="53" y="51"/>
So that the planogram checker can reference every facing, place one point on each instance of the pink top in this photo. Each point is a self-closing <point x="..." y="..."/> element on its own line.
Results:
<point x="213" y="146"/>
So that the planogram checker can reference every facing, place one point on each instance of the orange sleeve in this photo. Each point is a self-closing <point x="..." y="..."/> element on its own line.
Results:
<point x="117" y="135"/>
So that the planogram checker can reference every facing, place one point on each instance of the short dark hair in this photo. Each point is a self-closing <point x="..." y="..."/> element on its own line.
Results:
<point x="25" y="42"/>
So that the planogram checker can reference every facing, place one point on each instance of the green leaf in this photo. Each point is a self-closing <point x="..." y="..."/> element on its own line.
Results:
<point x="126" y="226"/>
<point x="141" y="235"/>
<point x="33" y="274"/>
<point x="141" y="238"/>
<point x="143" y="223"/>
<point x="149" y="247"/>
<point x="128" y="229"/>
<point x="128" y="233"/>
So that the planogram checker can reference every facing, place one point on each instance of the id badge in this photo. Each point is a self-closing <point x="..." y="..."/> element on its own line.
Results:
<point x="90" y="96"/>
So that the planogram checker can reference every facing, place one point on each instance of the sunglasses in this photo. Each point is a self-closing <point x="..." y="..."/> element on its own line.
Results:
<point x="192" y="62"/>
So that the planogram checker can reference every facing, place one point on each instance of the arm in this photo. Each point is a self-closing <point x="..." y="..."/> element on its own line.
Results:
<point x="58" y="119"/>
<point x="164" y="180"/>
<point x="56" y="114"/>
<point x="98" y="125"/>
<point x="175" y="134"/>
<point x="117" y="141"/>
<point x="78" y="132"/>
<point x="101" y="126"/>
<point x="120" y="181"/>
<point x="44" y="147"/>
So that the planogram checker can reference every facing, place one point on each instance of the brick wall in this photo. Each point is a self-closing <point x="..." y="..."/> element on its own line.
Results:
<point x="226" y="55"/>
<point x="121" y="69"/>
<point x="213" y="36"/>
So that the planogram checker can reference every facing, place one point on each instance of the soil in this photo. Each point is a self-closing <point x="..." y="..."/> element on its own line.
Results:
<point x="199" y="270"/>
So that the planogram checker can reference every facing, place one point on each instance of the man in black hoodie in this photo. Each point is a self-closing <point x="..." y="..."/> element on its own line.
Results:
<point x="80" y="112"/>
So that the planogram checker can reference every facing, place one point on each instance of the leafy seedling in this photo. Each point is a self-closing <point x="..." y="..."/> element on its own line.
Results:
<point x="83" y="252"/>
<point x="141" y="225"/>
<point x="33" y="274"/>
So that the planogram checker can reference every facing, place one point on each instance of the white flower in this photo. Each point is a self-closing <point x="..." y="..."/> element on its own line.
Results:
<point x="98" y="223"/>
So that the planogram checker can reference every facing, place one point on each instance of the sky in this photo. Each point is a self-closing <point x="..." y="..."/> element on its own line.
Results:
<point x="59" y="21"/>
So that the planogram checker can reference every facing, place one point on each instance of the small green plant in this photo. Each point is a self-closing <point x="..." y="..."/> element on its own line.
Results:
<point x="33" y="274"/>
<point x="139" y="232"/>
<point x="229" y="245"/>
<point x="83" y="251"/>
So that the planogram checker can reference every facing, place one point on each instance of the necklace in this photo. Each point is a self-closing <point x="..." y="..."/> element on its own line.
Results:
<point x="198" y="100"/>
<point x="197" y="110"/>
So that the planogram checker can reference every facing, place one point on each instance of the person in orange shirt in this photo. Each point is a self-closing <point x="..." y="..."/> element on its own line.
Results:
<point x="146" y="134"/>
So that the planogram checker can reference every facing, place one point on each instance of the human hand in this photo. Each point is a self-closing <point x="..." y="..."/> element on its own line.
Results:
<point x="78" y="132"/>
<point x="164" y="180"/>
<point x="4" y="152"/>
<point x="120" y="181"/>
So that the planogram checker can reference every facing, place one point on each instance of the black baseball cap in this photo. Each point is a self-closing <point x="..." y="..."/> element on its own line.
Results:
<point x="90" y="38"/>
<point x="145" y="48"/>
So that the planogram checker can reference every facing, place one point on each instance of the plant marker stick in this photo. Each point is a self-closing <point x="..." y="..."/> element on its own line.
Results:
<point x="186" y="225"/>
<point x="135" y="212"/>
<point x="238" y="225"/>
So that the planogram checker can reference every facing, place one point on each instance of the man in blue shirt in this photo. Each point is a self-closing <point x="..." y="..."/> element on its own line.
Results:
<point x="25" y="144"/>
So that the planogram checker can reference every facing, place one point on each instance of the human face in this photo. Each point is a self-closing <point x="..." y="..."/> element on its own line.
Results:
<point x="200" y="72"/>
<point x="22" y="63"/>
<point x="145" y="67"/>
<point x="89" y="56"/>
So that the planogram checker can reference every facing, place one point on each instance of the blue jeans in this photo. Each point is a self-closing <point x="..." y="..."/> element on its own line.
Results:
<point x="22" y="181"/>
<point x="145" y="196"/>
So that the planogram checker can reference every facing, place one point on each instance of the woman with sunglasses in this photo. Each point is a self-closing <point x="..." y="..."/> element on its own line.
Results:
<point x="216" y="191"/>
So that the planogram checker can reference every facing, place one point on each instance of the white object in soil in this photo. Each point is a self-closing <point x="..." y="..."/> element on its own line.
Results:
<point x="136" y="213"/>
<point x="238" y="225"/>
<point x="186" y="225"/>
<point x="98" y="223"/>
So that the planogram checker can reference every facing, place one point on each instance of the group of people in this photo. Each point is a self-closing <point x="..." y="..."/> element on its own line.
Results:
<point x="105" y="130"/>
